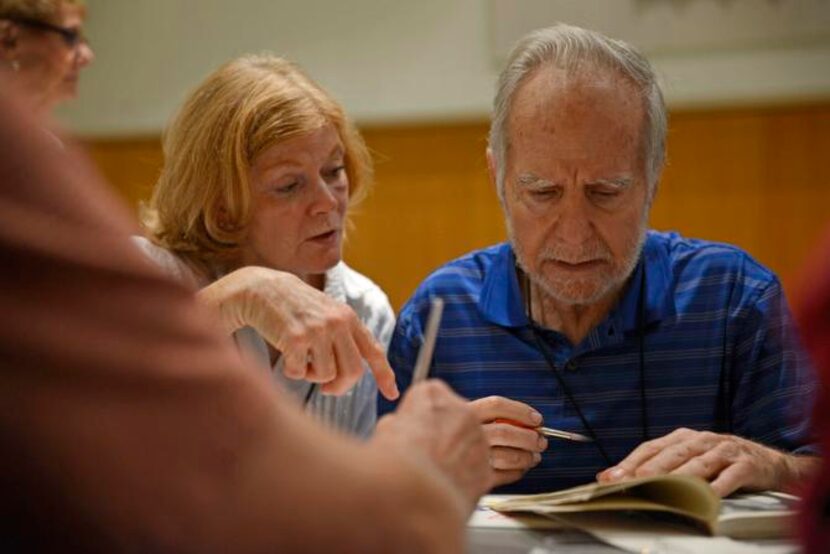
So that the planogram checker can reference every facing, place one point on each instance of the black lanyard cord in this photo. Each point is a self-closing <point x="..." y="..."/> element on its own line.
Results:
<point x="641" y="339"/>
<point x="588" y="429"/>
<point x="310" y="393"/>
<point x="536" y="332"/>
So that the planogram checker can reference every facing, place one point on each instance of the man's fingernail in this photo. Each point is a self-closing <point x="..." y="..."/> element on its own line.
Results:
<point x="537" y="457"/>
<point x="543" y="443"/>
<point x="535" y="417"/>
<point x="615" y="473"/>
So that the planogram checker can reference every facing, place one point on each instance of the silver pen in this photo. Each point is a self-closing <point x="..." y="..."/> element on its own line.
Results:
<point x="425" y="353"/>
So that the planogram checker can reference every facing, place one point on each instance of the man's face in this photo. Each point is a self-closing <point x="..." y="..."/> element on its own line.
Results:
<point x="575" y="191"/>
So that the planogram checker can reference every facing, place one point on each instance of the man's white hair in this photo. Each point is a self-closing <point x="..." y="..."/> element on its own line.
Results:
<point x="573" y="49"/>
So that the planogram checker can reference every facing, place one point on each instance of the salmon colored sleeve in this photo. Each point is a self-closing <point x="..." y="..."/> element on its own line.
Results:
<point x="128" y="423"/>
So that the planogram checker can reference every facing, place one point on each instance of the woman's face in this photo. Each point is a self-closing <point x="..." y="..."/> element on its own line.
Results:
<point x="46" y="64"/>
<point x="300" y="192"/>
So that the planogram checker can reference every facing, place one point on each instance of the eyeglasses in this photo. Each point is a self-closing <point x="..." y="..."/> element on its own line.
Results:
<point x="72" y="37"/>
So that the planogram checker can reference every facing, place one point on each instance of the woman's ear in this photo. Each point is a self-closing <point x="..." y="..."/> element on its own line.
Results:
<point x="8" y="40"/>
<point x="223" y="220"/>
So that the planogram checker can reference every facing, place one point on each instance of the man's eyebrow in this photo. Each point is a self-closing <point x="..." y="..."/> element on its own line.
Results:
<point x="619" y="182"/>
<point x="529" y="179"/>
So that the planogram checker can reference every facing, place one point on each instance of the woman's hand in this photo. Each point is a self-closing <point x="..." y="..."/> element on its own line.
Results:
<point x="321" y="340"/>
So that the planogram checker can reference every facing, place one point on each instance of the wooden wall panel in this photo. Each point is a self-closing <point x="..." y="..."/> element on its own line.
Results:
<point x="758" y="178"/>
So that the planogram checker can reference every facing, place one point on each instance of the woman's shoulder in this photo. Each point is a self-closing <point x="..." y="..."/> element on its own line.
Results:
<point x="169" y="262"/>
<point x="369" y="302"/>
<point x="356" y="285"/>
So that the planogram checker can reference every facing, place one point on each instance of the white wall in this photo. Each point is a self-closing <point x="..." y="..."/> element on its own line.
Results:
<point x="386" y="60"/>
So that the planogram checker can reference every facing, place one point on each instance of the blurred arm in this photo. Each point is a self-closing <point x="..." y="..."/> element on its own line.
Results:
<point x="130" y="424"/>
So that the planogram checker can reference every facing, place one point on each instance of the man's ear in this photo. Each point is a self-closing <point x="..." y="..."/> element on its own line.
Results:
<point x="491" y="167"/>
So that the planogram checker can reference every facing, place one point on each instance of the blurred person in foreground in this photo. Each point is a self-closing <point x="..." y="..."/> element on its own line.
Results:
<point x="43" y="50"/>
<point x="673" y="355"/>
<point x="814" y="318"/>
<point x="129" y="424"/>
<point x="261" y="166"/>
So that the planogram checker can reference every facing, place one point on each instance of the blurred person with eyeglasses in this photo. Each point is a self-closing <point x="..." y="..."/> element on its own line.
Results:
<point x="43" y="49"/>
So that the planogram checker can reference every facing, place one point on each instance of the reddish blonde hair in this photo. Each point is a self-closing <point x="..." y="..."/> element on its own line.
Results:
<point x="240" y="110"/>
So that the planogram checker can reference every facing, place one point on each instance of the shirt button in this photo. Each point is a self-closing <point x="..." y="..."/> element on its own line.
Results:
<point x="571" y="365"/>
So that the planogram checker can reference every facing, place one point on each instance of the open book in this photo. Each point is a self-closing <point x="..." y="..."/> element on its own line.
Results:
<point x="657" y="501"/>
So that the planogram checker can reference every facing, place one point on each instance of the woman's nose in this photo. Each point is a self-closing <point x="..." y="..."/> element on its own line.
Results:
<point x="85" y="54"/>
<point x="325" y="199"/>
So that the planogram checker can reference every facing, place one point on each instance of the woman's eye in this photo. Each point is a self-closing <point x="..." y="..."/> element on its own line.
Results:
<point x="336" y="172"/>
<point x="287" y="188"/>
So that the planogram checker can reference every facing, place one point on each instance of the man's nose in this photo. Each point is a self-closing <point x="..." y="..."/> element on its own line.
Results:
<point x="574" y="225"/>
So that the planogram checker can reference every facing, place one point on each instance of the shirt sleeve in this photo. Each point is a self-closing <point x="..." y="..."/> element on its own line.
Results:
<point x="130" y="424"/>
<point x="774" y="383"/>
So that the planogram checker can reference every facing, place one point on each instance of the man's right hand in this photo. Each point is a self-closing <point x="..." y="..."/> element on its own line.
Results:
<point x="321" y="340"/>
<point x="433" y="420"/>
<point x="513" y="449"/>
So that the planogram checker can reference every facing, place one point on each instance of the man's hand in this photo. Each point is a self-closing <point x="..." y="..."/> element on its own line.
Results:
<point x="728" y="462"/>
<point x="513" y="449"/>
<point x="433" y="420"/>
<point x="321" y="340"/>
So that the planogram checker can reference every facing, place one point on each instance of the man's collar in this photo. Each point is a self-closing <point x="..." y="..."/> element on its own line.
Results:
<point x="501" y="299"/>
<point x="659" y="300"/>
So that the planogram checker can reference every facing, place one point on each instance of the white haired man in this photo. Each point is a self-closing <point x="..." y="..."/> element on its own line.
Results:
<point x="671" y="354"/>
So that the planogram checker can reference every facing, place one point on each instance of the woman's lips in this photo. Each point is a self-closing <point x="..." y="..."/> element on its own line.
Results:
<point x="329" y="237"/>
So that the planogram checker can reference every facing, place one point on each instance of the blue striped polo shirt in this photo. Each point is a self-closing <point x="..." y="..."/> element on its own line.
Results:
<point x="719" y="349"/>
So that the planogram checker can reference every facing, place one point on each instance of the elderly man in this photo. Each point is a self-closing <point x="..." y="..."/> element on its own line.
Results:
<point x="673" y="355"/>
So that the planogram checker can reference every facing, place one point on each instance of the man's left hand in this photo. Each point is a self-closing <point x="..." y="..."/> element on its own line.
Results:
<point x="728" y="462"/>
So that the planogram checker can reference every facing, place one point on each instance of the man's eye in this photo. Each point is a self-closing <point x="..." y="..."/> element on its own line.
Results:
<point x="544" y="193"/>
<point x="604" y="195"/>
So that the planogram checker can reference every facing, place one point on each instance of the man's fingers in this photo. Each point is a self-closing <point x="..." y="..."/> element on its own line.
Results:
<point x="672" y="457"/>
<point x="706" y="465"/>
<point x="505" y="477"/>
<point x="378" y="365"/>
<point x="512" y="436"/>
<point x="511" y="458"/>
<point x="731" y="479"/>
<point x="640" y="455"/>
<point x="495" y="407"/>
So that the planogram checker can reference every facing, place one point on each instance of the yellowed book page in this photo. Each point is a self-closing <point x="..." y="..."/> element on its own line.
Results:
<point x="690" y="496"/>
